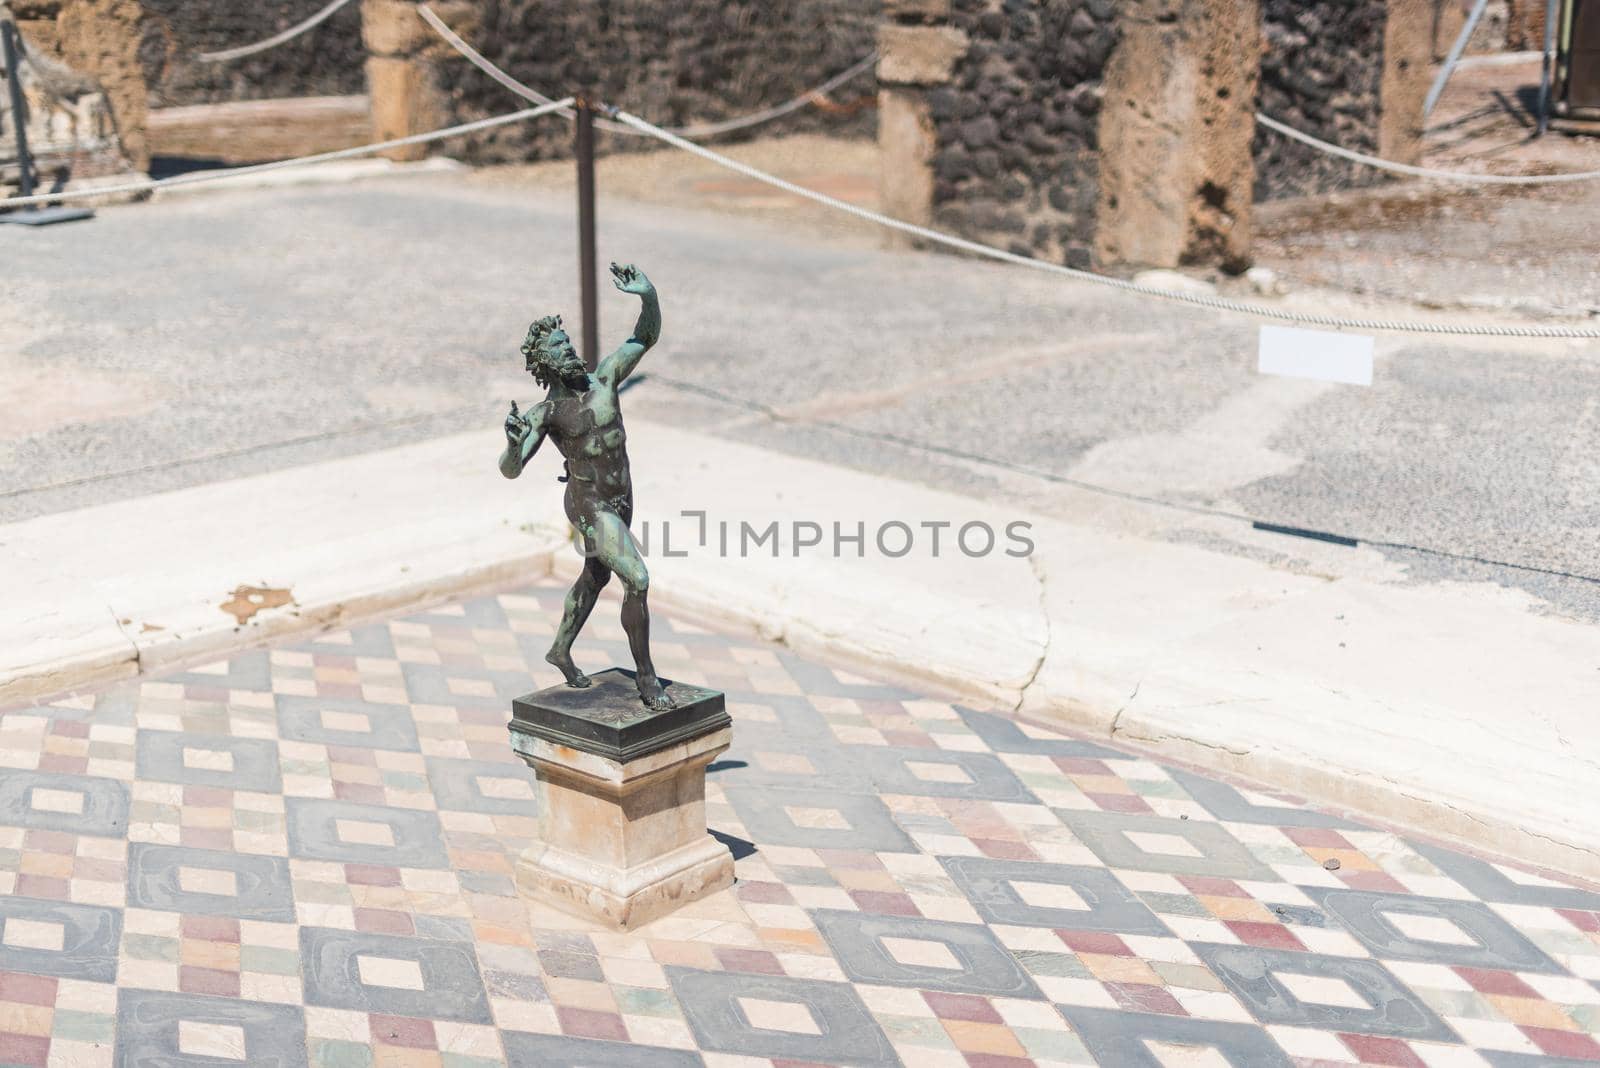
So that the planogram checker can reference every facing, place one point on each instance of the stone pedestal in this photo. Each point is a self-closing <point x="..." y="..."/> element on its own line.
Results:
<point x="622" y="799"/>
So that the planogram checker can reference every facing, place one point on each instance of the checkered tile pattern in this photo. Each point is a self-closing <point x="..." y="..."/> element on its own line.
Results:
<point x="304" y="856"/>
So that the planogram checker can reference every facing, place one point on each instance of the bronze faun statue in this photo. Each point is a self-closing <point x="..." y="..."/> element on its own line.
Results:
<point x="580" y="413"/>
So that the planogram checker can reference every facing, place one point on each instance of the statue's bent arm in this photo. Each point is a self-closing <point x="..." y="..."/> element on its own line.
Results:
<point x="524" y="434"/>
<point x="620" y="364"/>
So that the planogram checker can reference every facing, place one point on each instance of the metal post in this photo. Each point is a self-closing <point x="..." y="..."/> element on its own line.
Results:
<point x="1552" y="12"/>
<point x="1454" y="57"/>
<point x="583" y="148"/>
<point x="18" y="115"/>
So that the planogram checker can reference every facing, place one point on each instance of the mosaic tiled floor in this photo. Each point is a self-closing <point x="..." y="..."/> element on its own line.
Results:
<point x="303" y="857"/>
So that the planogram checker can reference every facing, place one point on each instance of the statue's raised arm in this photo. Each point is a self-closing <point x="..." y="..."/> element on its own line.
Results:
<point x="620" y="364"/>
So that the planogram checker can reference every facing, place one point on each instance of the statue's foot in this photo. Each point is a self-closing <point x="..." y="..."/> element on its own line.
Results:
<point x="654" y="695"/>
<point x="563" y="663"/>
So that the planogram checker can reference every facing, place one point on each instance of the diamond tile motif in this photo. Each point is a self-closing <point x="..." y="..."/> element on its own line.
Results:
<point x="483" y="786"/>
<point x="1018" y="893"/>
<point x="1201" y="848"/>
<point x="1461" y="932"/>
<point x="959" y="958"/>
<point x="943" y="773"/>
<point x="75" y="804"/>
<point x="393" y="975"/>
<point x="305" y="857"/>
<point x="59" y="938"/>
<point x="346" y="721"/>
<point x="841" y="1029"/>
<point x="814" y="818"/>
<point x="210" y="882"/>
<point x="209" y="760"/>
<point x="364" y="834"/>
<point x="153" y="1025"/>
<point x="1343" y="993"/>
<point x="1230" y="806"/>
<point x="1124" y="1039"/>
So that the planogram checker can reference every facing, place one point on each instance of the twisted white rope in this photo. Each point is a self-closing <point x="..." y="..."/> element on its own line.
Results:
<point x="1421" y="172"/>
<point x="1263" y="311"/>
<point x="271" y="42"/>
<point x="320" y="157"/>
<point x="708" y="129"/>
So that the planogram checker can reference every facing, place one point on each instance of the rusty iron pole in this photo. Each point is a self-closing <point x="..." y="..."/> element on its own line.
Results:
<point x="583" y="149"/>
<point x="18" y="106"/>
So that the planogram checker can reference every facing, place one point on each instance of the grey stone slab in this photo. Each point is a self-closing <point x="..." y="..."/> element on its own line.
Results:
<point x="1117" y="1039"/>
<point x="560" y="1051"/>
<point x="457" y="789"/>
<point x="768" y="813"/>
<point x="1488" y="883"/>
<point x="1497" y="944"/>
<point x="450" y="987"/>
<point x="263" y="887"/>
<point x="974" y="776"/>
<point x="1253" y="974"/>
<point x="89" y="936"/>
<point x="1506" y="1059"/>
<point x="849" y="1035"/>
<point x="160" y="755"/>
<point x="990" y="884"/>
<point x="981" y="964"/>
<point x="1221" y="854"/>
<point x="1004" y="736"/>
<point x="149" y="1022"/>
<point x="1227" y="803"/>
<point x="300" y="719"/>
<point x="92" y="806"/>
<point x="415" y="838"/>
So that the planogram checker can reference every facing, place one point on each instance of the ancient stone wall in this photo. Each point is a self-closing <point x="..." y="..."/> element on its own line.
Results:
<point x="671" y="61"/>
<point x="1015" y="142"/>
<point x="325" y="61"/>
<point x="1322" y="69"/>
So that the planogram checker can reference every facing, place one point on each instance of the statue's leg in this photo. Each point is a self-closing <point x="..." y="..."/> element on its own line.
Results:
<point x="580" y="602"/>
<point x="619" y="552"/>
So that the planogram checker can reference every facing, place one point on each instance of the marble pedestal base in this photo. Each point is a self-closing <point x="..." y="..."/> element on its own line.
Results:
<point x="622" y="799"/>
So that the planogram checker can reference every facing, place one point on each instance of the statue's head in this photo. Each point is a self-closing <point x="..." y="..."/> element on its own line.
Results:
<point x="551" y="357"/>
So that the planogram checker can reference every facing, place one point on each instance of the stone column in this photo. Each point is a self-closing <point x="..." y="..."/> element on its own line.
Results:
<point x="99" y="38"/>
<point x="917" y="52"/>
<point x="1407" y="44"/>
<point x="1175" y="134"/>
<point x="401" y="77"/>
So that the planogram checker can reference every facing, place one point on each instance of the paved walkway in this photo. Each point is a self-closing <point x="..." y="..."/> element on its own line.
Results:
<point x="303" y="856"/>
<point x="212" y="335"/>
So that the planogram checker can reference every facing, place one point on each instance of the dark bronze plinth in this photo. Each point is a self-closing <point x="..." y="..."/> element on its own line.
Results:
<point x="608" y="720"/>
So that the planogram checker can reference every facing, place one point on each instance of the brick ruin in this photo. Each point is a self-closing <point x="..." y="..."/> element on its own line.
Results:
<point x="1090" y="132"/>
<point x="1086" y="132"/>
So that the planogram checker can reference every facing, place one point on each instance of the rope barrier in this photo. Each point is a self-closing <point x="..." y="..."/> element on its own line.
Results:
<point x="1202" y="300"/>
<point x="1421" y="172"/>
<point x="320" y="157"/>
<point x="810" y="96"/>
<point x="709" y="129"/>
<point x="271" y="42"/>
